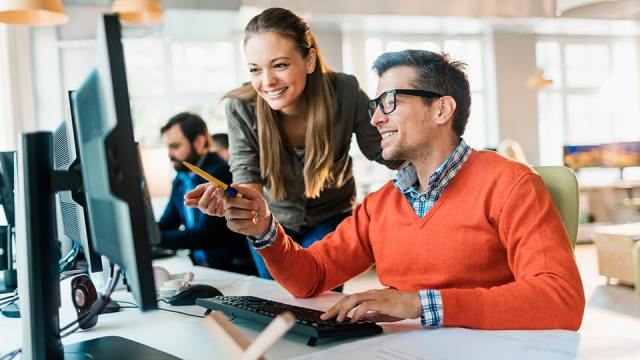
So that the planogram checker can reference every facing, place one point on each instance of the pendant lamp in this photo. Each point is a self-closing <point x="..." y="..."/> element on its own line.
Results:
<point x="138" y="11"/>
<point x="32" y="12"/>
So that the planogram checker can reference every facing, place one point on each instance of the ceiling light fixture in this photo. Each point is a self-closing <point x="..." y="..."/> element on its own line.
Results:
<point x="33" y="12"/>
<point x="138" y="11"/>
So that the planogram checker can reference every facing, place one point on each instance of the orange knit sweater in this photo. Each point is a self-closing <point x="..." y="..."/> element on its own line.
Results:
<point x="493" y="245"/>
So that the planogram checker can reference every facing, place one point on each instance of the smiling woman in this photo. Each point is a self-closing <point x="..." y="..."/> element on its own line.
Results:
<point x="290" y="128"/>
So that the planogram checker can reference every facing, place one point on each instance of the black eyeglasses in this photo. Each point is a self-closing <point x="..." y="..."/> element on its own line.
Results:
<point x="387" y="100"/>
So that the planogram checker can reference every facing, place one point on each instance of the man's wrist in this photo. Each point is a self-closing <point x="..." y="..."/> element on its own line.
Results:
<point x="268" y="237"/>
<point x="432" y="312"/>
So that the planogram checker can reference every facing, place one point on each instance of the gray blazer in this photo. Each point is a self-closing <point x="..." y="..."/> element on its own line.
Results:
<point x="296" y="210"/>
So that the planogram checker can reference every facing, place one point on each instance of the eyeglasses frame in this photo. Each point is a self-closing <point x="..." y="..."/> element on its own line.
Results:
<point x="413" y="92"/>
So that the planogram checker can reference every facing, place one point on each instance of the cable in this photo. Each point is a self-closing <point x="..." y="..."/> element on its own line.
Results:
<point x="182" y="313"/>
<point x="176" y="311"/>
<point x="11" y="355"/>
<point x="133" y="305"/>
<point x="70" y="257"/>
<point x="8" y="302"/>
<point x="71" y="273"/>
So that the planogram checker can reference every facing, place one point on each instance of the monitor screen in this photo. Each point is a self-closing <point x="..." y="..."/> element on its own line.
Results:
<point x="112" y="176"/>
<point x="7" y="185"/>
<point x="581" y="156"/>
<point x="620" y="155"/>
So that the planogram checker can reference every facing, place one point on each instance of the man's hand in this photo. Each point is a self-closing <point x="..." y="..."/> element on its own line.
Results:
<point x="203" y="198"/>
<point x="383" y="305"/>
<point x="248" y="215"/>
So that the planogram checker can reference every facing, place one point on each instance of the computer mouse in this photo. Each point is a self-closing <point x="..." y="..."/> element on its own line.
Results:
<point x="189" y="294"/>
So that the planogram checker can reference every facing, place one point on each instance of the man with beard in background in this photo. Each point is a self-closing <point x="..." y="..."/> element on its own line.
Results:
<point x="211" y="242"/>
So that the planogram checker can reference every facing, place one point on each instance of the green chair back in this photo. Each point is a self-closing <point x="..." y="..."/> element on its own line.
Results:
<point x="563" y="185"/>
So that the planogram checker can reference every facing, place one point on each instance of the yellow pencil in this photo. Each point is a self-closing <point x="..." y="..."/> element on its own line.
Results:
<point x="205" y="175"/>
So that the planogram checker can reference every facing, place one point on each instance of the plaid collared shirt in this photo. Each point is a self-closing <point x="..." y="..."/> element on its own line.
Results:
<point x="406" y="181"/>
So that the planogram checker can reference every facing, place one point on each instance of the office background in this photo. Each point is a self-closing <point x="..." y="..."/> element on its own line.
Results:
<point x="188" y="61"/>
<point x="194" y="56"/>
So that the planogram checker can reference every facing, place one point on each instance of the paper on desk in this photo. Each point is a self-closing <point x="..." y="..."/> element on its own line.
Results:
<point x="457" y="343"/>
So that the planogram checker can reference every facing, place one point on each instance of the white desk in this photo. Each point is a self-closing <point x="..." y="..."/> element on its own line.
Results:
<point x="185" y="336"/>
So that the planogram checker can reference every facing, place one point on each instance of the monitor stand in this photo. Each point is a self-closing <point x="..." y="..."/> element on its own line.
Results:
<point x="41" y="335"/>
<point x="114" y="347"/>
<point x="112" y="307"/>
<point x="9" y="281"/>
<point x="11" y="310"/>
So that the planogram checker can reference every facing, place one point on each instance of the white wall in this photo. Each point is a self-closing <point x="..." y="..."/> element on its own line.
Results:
<point x="515" y="61"/>
<point x="16" y="104"/>
<point x="330" y="43"/>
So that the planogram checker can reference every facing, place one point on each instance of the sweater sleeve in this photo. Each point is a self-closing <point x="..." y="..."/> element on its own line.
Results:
<point x="338" y="257"/>
<point x="546" y="292"/>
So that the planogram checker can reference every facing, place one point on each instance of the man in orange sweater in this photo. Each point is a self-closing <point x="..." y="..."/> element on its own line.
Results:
<point x="460" y="237"/>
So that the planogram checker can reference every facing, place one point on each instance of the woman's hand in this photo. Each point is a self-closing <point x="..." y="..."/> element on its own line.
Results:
<point x="248" y="215"/>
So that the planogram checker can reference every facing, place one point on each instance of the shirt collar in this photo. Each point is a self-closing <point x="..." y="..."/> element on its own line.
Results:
<point x="406" y="178"/>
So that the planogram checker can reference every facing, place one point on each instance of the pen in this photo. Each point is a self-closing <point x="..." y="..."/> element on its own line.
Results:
<point x="205" y="175"/>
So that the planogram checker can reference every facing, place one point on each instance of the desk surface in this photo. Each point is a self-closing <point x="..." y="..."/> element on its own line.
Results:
<point x="185" y="336"/>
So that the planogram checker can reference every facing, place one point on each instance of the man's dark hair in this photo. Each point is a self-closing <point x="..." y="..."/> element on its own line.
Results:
<point x="434" y="72"/>
<point x="221" y="139"/>
<point x="191" y="125"/>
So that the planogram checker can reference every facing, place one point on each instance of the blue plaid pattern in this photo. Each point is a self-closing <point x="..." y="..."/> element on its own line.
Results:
<point x="431" y="303"/>
<point x="406" y="181"/>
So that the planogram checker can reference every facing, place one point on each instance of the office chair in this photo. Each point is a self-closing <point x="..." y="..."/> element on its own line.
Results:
<point x="563" y="186"/>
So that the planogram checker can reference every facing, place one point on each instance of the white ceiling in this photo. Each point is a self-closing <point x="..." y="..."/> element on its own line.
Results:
<point x="217" y="18"/>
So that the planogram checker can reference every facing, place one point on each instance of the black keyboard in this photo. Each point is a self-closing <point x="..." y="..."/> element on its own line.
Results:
<point x="307" y="320"/>
<point x="158" y="252"/>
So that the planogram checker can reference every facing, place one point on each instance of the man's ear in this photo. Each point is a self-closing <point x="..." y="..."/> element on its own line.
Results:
<point x="200" y="143"/>
<point x="311" y="61"/>
<point x="446" y="110"/>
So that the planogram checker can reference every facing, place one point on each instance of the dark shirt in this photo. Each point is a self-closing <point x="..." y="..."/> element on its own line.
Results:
<point x="223" y="248"/>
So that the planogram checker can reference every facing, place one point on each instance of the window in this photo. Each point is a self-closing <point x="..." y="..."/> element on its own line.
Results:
<point x="468" y="50"/>
<point x="594" y="96"/>
<point x="170" y="76"/>
<point x="370" y="176"/>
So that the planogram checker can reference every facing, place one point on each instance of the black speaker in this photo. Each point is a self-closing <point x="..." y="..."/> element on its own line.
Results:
<point x="84" y="295"/>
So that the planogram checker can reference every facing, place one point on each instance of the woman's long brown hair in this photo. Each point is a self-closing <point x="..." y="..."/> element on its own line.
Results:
<point x="318" y="97"/>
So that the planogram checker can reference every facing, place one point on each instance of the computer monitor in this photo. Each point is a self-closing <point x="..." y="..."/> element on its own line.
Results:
<point x="7" y="202"/>
<point x="72" y="203"/>
<point x="111" y="177"/>
<point x="621" y="154"/>
<point x="7" y="179"/>
<point x="582" y="156"/>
